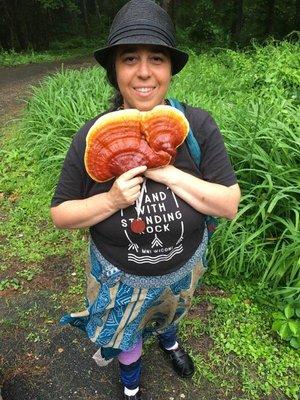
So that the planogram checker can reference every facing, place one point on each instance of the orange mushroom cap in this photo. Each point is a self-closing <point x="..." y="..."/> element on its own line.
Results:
<point x="125" y="139"/>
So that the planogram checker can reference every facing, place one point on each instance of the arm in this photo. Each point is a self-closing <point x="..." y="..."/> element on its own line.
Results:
<point x="207" y="198"/>
<point x="84" y="213"/>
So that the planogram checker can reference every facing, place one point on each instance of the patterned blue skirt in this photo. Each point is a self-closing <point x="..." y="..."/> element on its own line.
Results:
<point x="124" y="308"/>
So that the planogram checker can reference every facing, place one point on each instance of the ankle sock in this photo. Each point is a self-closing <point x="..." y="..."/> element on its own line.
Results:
<point x="130" y="392"/>
<point x="174" y="347"/>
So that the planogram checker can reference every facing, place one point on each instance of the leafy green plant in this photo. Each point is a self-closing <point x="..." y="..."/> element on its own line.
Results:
<point x="37" y="336"/>
<point x="243" y="345"/>
<point x="287" y="323"/>
<point x="256" y="107"/>
<point x="29" y="273"/>
<point x="12" y="283"/>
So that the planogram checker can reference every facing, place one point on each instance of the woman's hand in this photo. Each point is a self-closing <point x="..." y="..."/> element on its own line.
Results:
<point x="206" y="197"/>
<point x="163" y="175"/>
<point x="84" y="213"/>
<point x="126" y="188"/>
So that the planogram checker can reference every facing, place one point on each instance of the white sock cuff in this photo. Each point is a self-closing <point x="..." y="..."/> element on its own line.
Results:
<point x="173" y="347"/>
<point x="130" y="392"/>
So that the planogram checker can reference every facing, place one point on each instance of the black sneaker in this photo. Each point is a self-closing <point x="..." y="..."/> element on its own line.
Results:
<point x="182" y="363"/>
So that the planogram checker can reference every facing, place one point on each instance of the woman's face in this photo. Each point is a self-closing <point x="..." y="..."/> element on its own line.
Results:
<point x="143" y="75"/>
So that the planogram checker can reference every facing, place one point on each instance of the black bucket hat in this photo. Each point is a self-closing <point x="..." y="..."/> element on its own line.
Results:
<point x="142" y="22"/>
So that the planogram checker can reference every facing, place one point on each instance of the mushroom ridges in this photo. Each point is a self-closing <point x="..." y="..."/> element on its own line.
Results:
<point x="125" y="139"/>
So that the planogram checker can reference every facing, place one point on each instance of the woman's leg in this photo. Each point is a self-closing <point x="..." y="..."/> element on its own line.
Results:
<point x="130" y="363"/>
<point x="168" y="339"/>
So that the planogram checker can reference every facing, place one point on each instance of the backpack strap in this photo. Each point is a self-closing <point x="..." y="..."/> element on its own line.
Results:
<point x="191" y="141"/>
<point x="195" y="151"/>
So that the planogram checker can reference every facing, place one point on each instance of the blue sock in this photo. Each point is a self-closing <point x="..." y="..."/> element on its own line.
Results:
<point x="168" y="338"/>
<point x="131" y="374"/>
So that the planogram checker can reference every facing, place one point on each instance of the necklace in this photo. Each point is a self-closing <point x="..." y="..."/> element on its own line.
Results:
<point x="138" y="225"/>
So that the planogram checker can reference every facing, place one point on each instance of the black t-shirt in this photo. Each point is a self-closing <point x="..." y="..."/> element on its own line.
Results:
<point x="174" y="229"/>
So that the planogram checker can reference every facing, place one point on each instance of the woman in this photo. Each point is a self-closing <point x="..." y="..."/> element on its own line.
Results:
<point x="141" y="283"/>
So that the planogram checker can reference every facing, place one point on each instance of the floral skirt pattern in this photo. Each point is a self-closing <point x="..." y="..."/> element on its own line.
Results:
<point x="121" y="312"/>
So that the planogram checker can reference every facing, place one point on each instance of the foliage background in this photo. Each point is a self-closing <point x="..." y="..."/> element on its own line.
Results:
<point x="44" y="24"/>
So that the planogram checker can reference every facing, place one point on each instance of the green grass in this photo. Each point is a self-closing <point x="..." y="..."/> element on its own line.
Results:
<point x="253" y="96"/>
<point x="12" y="58"/>
<point x="243" y="347"/>
<point x="58" y="51"/>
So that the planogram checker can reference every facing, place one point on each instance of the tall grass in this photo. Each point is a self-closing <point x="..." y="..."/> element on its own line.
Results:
<point x="253" y="97"/>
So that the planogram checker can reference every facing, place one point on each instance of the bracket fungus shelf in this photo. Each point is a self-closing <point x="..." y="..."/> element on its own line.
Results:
<point x="122" y="140"/>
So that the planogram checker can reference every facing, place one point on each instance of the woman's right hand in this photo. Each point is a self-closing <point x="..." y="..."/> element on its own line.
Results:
<point x="126" y="188"/>
<point x="83" y="213"/>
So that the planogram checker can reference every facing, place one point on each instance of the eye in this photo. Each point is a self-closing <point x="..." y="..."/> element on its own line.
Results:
<point x="129" y="59"/>
<point x="158" y="58"/>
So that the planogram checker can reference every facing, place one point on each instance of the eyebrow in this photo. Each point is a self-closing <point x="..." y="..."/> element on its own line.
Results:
<point x="127" y="50"/>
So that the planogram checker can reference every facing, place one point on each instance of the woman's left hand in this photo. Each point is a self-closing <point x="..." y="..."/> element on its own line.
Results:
<point x="163" y="175"/>
<point x="206" y="197"/>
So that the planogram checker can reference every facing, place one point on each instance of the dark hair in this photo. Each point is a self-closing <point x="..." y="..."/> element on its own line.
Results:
<point x="116" y="100"/>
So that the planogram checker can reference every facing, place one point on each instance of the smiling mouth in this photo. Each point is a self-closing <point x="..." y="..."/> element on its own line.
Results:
<point x="144" y="89"/>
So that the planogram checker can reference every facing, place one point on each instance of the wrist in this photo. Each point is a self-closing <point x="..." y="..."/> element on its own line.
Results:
<point x="110" y="202"/>
<point x="172" y="176"/>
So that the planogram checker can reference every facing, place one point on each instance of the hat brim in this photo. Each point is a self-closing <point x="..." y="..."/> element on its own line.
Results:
<point x="178" y="58"/>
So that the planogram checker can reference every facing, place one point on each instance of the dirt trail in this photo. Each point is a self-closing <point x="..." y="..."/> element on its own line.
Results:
<point x="15" y="82"/>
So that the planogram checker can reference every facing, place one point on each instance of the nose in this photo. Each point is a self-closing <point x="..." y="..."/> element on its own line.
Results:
<point x="144" y="70"/>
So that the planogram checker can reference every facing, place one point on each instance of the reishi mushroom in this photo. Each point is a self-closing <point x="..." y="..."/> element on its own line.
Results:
<point x="122" y="140"/>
